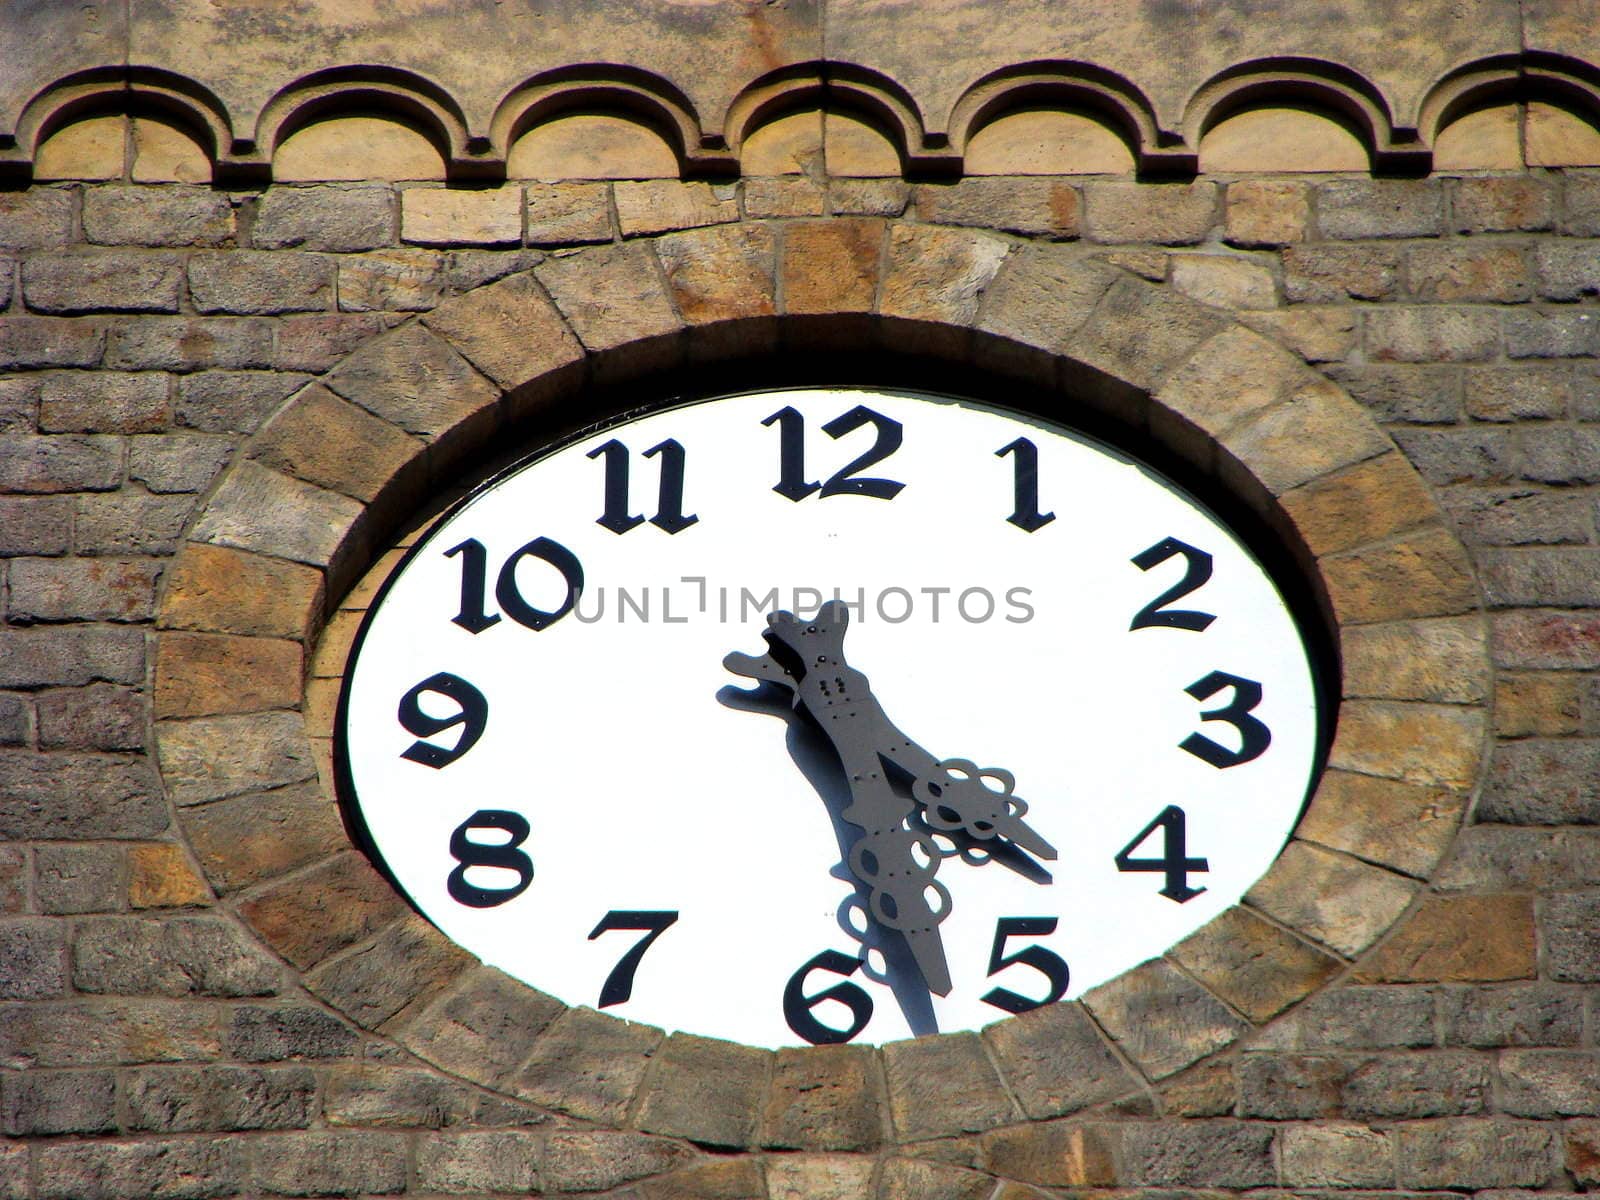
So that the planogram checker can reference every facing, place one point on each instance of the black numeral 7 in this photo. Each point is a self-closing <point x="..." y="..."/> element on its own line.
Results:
<point x="619" y="984"/>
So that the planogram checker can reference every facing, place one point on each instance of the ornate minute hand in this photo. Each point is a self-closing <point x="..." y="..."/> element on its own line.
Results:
<point x="808" y="658"/>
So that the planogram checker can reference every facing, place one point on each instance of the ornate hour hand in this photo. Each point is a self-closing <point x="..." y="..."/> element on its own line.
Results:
<point x="894" y="862"/>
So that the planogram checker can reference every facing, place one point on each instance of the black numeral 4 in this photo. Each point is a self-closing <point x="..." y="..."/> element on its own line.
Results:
<point x="1174" y="863"/>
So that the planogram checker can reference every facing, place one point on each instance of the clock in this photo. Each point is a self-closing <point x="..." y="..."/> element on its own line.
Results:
<point x="827" y="715"/>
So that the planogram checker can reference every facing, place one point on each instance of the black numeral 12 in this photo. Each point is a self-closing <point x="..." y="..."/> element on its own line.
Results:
<point x="792" y="483"/>
<point x="669" y="499"/>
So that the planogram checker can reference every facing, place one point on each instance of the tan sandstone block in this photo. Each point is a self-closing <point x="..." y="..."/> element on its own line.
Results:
<point x="1363" y="503"/>
<point x="261" y="835"/>
<point x="1042" y="296"/>
<point x="262" y="510"/>
<point x="1332" y="898"/>
<point x="937" y="274"/>
<point x="657" y="205"/>
<point x="335" y="444"/>
<point x="830" y="266"/>
<point x="1317" y="333"/>
<point x="1435" y="744"/>
<point x="413" y="379"/>
<point x="231" y="591"/>
<point x="1230" y="378"/>
<point x="1423" y="574"/>
<point x="1451" y="939"/>
<point x="1538" y="704"/>
<point x="1141" y="333"/>
<point x="316" y="913"/>
<point x="819" y="1176"/>
<point x="1224" y="280"/>
<point x="1317" y="430"/>
<point x="201" y="674"/>
<point x="1406" y="826"/>
<point x="1444" y="659"/>
<point x="720" y="274"/>
<point x="461" y="217"/>
<point x="1252" y="964"/>
<point x="1163" y="1020"/>
<point x="610" y="295"/>
<point x="510" y="330"/>
<point x="1054" y="1154"/>
<point x="160" y="876"/>
<point x="1267" y="212"/>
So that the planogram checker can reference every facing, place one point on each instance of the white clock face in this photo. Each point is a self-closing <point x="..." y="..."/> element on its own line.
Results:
<point x="557" y="766"/>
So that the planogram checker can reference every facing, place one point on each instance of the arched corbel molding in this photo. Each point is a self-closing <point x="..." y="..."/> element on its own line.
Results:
<point x="835" y="86"/>
<point x="1083" y="85"/>
<point x="131" y="90"/>
<point x="653" y="100"/>
<point x="1317" y="83"/>
<point x="345" y="89"/>
<point x="313" y="497"/>
<point x="1465" y="88"/>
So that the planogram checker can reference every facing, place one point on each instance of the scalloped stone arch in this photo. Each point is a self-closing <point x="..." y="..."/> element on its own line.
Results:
<point x="313" y="494"/>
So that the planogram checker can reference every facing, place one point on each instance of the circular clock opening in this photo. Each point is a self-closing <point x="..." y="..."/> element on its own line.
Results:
<point x="830" y="714"/>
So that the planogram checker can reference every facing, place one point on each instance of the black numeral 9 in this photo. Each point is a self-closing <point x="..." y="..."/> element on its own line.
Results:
<point x="472" y="717"/>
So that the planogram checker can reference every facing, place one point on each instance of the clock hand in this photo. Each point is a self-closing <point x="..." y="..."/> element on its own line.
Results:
<point x="951" y="791"/>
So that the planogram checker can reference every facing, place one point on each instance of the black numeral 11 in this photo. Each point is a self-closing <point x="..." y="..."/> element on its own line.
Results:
<point x="669" y="502"/>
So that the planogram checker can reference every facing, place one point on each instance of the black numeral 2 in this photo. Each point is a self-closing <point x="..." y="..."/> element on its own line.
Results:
<point x="792" y="483"/>
<point x="505" y="855"/>
<point x="1156" y="614"/>
<point x="669" y="498"/>
<point x="618" y="986"/>
<point x="474" y="572"/>
<point x="1174" y="862"/>
<point x="1254" y="737"/>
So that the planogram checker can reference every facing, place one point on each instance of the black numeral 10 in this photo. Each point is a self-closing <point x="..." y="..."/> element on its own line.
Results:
<point x="474" y="581"/>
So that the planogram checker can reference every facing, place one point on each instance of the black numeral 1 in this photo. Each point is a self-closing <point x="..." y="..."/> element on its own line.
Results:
<point x="474" y="572"/>
<point x="1025" y="514"/>
<point x="1174" y="862"/>
<point x="505" y="855"/>
<point x="618" y="986"/>
<point x="669" y="504"/>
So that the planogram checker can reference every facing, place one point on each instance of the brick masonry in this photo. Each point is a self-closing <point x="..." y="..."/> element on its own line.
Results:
<point x="221" y="409"/>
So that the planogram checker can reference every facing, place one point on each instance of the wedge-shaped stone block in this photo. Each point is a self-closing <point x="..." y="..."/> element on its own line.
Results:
<point x="1042" y="296"/>
<point x="1425" y="573"/>
<point x="943" y="1086"/>
<point x="1252" y="964"/>
<point x="1055" y="1153"/>
<point x="1162" y="1019"/>
<point x="1368" y="502"/>
<point x="336" y="445"/>
<point x="316" y="913"/>
<point x="222" y="590"/>
<point x="1420" y="743"/>
<point x="413" y="379"/>
<point x="1406" y="826"/>
<point x="825" y="1098"/>
<point x="1444" y="660"/>
<point x="1056" y="1062"/>
<point x="203" y="674"/>
<point x="261" y="835"/>
<point x="405" y="964"/>
<point x="938" y="274"/>
<point x="610" y="295"/>
<point x="1140" y="333"/>
<point x="210" y="758"/>
<point x="830" y="266"/>
<point x="721" y="274"/>
<point x="1332" y="898"/>
<point x="705" y="1090"/>
<point x="1459" y="939"/>
<point x="258" y="509"/>
<point x="483" y="1028"/>
<point x="1318" y="430"/>
<point x="1230" y="378"/>
<point x="587" y="1064"/>
<point x="509" y="330"/>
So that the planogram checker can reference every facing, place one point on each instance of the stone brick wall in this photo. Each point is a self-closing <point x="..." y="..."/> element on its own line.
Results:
<point x="223" y="406"/>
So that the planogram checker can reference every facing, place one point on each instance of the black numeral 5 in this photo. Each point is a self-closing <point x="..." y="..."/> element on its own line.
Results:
<point x="1046" y="962"/>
